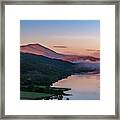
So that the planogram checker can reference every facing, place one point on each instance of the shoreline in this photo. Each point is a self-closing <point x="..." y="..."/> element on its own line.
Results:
<point x="82" y="73"/>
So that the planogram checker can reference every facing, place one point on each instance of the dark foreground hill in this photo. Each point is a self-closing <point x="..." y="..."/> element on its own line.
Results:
<point x="41" y="70"/>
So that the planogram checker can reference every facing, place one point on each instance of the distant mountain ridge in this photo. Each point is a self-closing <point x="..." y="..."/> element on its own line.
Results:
<point x="38" y="49"/>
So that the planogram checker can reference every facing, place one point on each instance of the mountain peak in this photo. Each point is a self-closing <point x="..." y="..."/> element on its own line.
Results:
<point x="40" y="50"/>
<point x="32" y="44"/>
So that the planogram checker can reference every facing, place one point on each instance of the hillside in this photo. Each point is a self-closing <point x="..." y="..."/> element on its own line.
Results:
<point x="41" y="70"/>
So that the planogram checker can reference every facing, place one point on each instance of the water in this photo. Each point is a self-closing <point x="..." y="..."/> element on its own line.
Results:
<point x="83" y="86"/>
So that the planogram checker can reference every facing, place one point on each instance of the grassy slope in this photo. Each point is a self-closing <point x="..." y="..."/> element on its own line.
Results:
<point x="34" y="95"/>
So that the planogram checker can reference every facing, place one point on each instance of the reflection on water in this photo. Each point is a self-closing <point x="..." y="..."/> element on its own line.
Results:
<point x="83" y="87"/>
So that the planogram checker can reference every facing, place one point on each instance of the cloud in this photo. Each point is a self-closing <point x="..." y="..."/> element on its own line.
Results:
<point x="60" y="46"/>
<point x="92" y="50"/>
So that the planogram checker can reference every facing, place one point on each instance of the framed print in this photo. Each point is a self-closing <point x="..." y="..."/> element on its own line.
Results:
<point x="60" y="59"/>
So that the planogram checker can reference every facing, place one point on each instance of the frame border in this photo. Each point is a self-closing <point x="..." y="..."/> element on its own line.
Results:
<point x="2" y="55"/>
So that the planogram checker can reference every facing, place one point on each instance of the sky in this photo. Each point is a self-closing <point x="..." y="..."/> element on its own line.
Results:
<point x="78" y="37"/>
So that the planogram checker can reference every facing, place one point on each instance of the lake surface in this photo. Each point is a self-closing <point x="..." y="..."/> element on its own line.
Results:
<point x="83" y="86"/>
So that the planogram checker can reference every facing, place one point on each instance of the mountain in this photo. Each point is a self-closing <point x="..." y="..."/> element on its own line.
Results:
<point x="38" y="49"/>
<point x="41" y="70"/>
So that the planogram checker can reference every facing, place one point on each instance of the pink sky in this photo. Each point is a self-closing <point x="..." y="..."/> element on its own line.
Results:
<point x="79" y="37"/>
